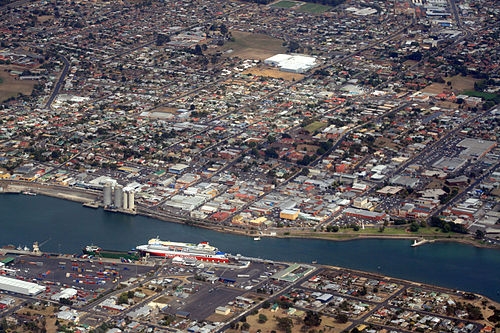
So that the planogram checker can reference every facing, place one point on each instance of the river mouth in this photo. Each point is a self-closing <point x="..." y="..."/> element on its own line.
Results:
<point x="69" y="227"/>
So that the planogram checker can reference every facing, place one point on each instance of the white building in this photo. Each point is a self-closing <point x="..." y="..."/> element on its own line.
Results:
<point x="294" y="63"/>
<point x="21" y="287"/>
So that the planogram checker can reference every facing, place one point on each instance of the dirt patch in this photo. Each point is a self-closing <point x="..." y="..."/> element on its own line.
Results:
<point x="44" y="18"/>
<point x="435" y="184"/>
<point x="308" y="148"/>
<point x="328" y="324"/>
<point x="165" y="109"/>
<point x="457" y="84"/>
<point x="269" y="72"/>
<point x="249" y="45"/>
<point x="10" y="87"/>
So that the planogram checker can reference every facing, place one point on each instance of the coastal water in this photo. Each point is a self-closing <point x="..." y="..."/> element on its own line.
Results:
<point x="65" y="226"/>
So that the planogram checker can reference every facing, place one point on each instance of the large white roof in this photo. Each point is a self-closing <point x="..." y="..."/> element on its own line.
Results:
<point x="18" y="285"/>
<point x="292" y="62"/>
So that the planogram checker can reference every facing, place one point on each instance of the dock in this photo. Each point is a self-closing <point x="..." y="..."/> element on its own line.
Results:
<point x="421" y="242"/>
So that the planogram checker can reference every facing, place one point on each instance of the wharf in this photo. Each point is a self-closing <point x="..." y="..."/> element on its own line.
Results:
<point x="421" y="242"/>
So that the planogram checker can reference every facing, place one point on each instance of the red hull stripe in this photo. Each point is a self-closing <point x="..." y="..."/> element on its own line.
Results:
<point x="162" y="254"/>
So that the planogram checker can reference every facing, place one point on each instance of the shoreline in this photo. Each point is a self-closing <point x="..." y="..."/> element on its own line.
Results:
<point x="84" y="196"/>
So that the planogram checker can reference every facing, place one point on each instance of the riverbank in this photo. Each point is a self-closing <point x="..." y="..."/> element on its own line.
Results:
<point x="88" y="197"/>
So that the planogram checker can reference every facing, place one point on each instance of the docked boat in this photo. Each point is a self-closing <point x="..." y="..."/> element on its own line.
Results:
<point x="256" y="238"/>
<point x="202" y="251"/>
<point x="98" y="252"/>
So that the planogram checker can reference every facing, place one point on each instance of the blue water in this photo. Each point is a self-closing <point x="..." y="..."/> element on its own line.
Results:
<point x="68" y="227"/>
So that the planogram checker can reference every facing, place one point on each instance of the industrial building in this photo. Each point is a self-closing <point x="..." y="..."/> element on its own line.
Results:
<point x="118" y="196"/>
<point x="475" y="148"/>
<point x="289" y="214"/>
<point x="107" y="191"/>
<point x="292" y="63"/>
<point x="365" y="214"/>
<point x="20" y="287"/>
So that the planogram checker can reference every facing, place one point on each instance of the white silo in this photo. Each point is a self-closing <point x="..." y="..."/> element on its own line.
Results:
<point x="131" y="203"/>
<point x="125" y="200"/>
<point x="107" y="195"/>
<point x="118" y="196"/>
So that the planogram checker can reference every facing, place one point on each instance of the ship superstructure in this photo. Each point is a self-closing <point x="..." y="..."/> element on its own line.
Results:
<point x="202" y="251"/>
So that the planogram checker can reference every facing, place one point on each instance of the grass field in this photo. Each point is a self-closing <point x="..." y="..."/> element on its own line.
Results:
<point x="10" y="87"/>
<point x="248" y="45"/>
<point x="315" y="126"/>
<point x="314" y="8"/>
<point x="484" y="95"/>
<point x="388" y="231"/>
<point x="284" y="4"/>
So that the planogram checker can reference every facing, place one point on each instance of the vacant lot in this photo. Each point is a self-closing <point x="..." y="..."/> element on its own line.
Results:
<point x="248" y="45"/>
<point x="165" y="109"/>
<point x="313" y="8"/>
<point x="10" y="87"/>
<point x="284" y="4"/>
<point x="269" y="72"/>
<point x="458" y="84"/>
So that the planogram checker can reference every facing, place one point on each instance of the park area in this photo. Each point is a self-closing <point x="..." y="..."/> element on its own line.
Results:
<point x="314" y="8"/>
<point x="247" y="45"/>
<point x="284" y="4"/>
<point x="10" y="87"/>
<point x="307" y="7"/>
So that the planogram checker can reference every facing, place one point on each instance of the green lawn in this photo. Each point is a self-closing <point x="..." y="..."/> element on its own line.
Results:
<point x="315" y="126"/>
<point x="284" y="4"/>
<point x="484" y="95"/>
<point x="388" y="231"/>
<point x="314" y="8"/>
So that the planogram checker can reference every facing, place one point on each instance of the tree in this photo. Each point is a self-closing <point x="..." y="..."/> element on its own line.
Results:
<point x="198" y="50"/>
<point x="266" y="305"/>
<point x="123" y="299"/>
<point x="479" y="234"/>
<point x="245" y="326"/>
<point x="414" y="227"/>
<point x="262" y="318"/>
<point x="285" y="324"/>
<point x="341" y="318"/>
<point x="312" y="318"/>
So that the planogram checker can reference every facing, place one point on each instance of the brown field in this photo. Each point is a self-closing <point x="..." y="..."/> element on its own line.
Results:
<point x="328" y="324"/>
<point x="436" y="183"/>
<point x="164" y="109"/>
<point x="10" y="87"/>
<point x="44" y="18"/>
<point x="248" y="45"/>
<point x="458" y="84"/>
<point x="269" y="72"/>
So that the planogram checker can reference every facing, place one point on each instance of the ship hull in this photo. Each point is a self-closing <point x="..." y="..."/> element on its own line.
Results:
<point x="158" y="253"/>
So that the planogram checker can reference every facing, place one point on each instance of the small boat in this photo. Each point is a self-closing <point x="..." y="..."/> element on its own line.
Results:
<point x="419" y="242"/>
<point x="29" y="193"/>
<point x="256" y="238"/>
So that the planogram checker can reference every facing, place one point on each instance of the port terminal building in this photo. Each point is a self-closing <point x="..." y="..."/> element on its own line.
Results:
<point x="20" y="287"/>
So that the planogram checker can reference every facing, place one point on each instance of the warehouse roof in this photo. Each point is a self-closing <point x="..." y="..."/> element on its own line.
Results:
<point x="19" y="286"/>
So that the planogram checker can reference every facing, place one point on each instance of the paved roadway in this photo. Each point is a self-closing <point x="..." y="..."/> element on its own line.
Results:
<point x="59" y="83"/>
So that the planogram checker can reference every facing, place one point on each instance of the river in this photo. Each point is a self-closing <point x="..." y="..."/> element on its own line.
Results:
<point x="68" y="226"/>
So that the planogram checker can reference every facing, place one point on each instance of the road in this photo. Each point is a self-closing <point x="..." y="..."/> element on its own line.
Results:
<point x="59" y="82"/>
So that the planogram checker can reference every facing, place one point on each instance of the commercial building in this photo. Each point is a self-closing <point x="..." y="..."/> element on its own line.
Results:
<point x="21" y="287"/>
<point x="365" y="214"/>
<point x="292" y="63"/>
<point x="475" y="148"/>
<point x="289" y="214"/>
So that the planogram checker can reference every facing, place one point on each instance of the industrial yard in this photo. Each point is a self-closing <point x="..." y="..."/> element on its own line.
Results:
<point x="85" y="293"/>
